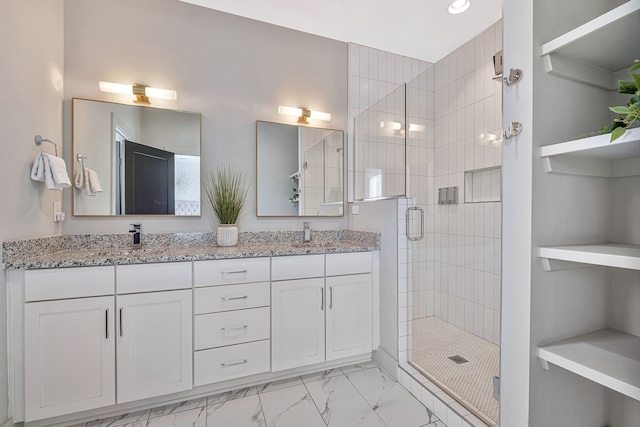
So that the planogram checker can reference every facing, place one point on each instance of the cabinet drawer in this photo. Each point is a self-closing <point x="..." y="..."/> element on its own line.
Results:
<point x="230" y="271"/>
<point x="351" y="263"/>
<point x="297" y="267"/>
<point x="231" y="362"/>
<point x="232" y="327"/>
<point x="62" y="283"/>
<point x="232" y="297"/>
<point x="153" y="277"/>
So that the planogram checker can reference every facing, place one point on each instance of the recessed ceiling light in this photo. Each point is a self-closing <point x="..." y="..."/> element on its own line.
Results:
<point x="458" y="6"/>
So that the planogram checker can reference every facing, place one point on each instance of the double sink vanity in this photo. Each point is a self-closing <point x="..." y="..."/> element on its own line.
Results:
<point x="98" y="327"/>
<point x="97" y="330"/>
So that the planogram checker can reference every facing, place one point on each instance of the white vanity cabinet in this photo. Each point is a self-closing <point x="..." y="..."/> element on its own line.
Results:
<point x="69" y="356"/>
<point x="317" y="319"/>
<point x="84" y="351"/>
<point x="297" y="316"/>
<point x="96" y="338"/>
<point x="349" y="316"/>
<point x="69" y="344"/>
<point x="154" y="330"/>
<point x="232" y="319"/>
<point x="349" y="306"/>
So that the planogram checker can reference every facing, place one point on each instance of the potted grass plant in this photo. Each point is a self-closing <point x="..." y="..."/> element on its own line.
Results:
<point x="226" y="192"/>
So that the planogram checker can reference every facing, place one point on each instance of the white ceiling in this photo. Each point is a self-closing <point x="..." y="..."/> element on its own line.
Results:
<point x="421" y="29"/>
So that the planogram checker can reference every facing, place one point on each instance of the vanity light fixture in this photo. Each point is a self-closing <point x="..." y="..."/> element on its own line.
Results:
<point x="304" y="114"/>
<point x="141" y="93"/>
<point x="417" y="128"/>
<point x="397" y="126"/>
<point x="458" y="6"/>
<point x="391" y="125"/>
<point x="490" y="138"/>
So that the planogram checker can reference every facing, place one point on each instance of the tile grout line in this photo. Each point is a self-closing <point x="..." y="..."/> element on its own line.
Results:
<point x="361" y="395"/>
<point x="314" y="402"/>
<point x="264" y="417"/>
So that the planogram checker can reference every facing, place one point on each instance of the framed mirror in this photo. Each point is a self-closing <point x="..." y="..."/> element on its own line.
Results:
<point x="134" y="160"/>
<point x="299" y="170"/>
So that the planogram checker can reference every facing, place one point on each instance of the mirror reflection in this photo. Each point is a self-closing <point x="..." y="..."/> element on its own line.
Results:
<point x="135" y="160"/>
<point x="300" y="170"/>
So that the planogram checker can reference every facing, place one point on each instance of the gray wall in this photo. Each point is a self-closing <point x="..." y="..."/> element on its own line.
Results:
<point x="31" y="48"/>
<point x="233" y="70"/>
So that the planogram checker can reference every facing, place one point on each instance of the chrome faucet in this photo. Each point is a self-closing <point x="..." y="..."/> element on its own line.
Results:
<point x="306" y="232"/>
<point x="136" y="233"/>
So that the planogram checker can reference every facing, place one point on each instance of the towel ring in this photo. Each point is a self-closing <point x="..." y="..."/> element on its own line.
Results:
<point x="39" y="140"/>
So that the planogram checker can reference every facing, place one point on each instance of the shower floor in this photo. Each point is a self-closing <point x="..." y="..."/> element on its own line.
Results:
<point x="471" y="383"/>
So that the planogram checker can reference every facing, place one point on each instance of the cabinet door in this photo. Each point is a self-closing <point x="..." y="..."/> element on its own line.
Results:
<point x="154" y="344"/>
<point x="349" y="315"/>
<point x="69" y="356"/>
<point x="297" y="323"/>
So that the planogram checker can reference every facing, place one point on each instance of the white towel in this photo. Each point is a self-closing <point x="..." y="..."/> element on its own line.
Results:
<point x="87" y="179"/>
<point x="51" y="170"/>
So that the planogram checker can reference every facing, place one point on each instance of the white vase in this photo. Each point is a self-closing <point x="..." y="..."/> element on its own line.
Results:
<point x="227" y="235"/>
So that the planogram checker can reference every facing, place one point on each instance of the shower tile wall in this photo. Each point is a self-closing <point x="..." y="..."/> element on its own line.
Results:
<point x="373" y="74"/>
<point x="465" y="261"/>
<point x="319" y="182"/>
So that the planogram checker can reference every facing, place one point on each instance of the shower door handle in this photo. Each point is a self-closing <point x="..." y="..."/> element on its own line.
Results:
<point x="415" y="238"/>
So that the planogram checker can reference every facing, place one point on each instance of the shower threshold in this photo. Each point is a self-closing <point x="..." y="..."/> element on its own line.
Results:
<point x="461" y="364"/>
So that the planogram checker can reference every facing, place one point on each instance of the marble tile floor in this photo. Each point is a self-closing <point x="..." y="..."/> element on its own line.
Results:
<point x="359" y="395"/>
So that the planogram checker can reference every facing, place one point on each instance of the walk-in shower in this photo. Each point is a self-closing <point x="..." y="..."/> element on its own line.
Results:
<point x="436" y="142"/>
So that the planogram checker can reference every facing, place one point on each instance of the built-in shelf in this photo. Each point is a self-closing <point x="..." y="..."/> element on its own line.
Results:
<point x="594" y="51"/>
<point x="295" y="175"/>
<point x="606" y="254"/>
<point x="607" y="357"/>
<point x="595" y="156"/>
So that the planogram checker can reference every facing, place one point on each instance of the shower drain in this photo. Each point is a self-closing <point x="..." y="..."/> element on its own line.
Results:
<point x="458" y="359"/>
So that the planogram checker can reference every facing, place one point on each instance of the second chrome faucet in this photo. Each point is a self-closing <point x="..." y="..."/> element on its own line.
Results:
<point x="306" y="232"/>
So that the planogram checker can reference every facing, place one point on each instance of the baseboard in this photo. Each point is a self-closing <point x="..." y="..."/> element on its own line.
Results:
<point x="387" y="362"/>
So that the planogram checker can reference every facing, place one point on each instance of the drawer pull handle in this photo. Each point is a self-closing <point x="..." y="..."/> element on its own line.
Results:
<point x="321" y="299"/>
<point x="106" y="324"/>
<point x="234" y="328"/>
<point x="240" y="362"/>
<point x="234" y="272"/>
<point x="234" y="298"/>
<point x="121" y="325"/>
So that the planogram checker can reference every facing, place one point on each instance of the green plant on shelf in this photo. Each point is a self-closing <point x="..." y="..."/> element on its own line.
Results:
<point x="296" y="195"/>
<point x="629" y="113"/>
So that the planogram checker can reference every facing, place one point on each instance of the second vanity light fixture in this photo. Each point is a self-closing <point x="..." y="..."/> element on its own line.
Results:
<point x="304" y="114"/>
<point x="398" y="126"/>
<point x="141" y="93"/>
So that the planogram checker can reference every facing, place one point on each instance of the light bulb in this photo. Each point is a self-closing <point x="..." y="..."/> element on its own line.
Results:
<point x="116" y="88"/>
<point x="458" y="6"/>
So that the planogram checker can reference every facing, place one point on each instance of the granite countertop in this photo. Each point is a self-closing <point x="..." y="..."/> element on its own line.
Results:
<point x="74" y="255"/>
